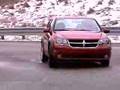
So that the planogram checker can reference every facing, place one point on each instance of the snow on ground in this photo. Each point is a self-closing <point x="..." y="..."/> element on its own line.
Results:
<point x="31" y="13"/>
<point x="115" y="39"/>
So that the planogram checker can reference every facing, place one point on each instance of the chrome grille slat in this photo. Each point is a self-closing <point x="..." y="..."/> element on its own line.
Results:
<point x="83" y="43"/>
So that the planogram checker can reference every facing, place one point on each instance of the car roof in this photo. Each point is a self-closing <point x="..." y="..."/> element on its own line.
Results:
<point x="71" y="17"/>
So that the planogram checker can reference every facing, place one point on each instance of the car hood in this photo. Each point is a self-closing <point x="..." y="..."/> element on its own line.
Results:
<point x="80" y="34"/>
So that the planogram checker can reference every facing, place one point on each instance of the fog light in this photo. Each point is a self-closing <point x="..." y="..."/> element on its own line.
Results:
<point x="59" y="56"/>
<point x="106" y="56"/>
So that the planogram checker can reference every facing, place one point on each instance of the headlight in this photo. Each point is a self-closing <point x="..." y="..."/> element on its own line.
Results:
<point x="104" y="41"/>
<point x="61" y="41"/>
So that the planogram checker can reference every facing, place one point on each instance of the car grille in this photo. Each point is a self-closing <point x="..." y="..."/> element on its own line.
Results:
<point x="83" y="43"/>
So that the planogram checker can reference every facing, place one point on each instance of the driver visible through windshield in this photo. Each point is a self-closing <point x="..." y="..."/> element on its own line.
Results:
<point x="76" y="24"/>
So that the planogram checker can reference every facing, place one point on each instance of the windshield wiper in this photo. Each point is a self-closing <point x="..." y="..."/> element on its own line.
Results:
<point x="88" y="30"/>
<point x="85" y="30"/>
<point x="61" y="30"/>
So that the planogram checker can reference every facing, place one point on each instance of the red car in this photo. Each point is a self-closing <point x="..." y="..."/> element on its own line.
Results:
<point x="75" y="38"/>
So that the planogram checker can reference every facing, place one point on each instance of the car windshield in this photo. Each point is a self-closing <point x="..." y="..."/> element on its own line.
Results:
<point x="76" y="24"/>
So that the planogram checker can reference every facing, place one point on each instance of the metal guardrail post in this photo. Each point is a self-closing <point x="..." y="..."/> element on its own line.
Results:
<point x="2" y="37"/>
<point x="23" y="37"/>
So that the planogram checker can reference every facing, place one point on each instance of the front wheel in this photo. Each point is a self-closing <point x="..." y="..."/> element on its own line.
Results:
<point x="51" y="62"/>
<point x="105" y="63"/>
<point x="44" y="57"/>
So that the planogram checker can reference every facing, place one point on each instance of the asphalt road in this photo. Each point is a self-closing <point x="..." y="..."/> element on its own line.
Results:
<point x="21" y="69"/>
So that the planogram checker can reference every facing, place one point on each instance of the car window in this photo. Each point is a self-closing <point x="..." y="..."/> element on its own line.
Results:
<point x="76" y="24"/>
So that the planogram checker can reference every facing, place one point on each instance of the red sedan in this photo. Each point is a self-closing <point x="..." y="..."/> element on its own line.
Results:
<point x="75" y="38"/>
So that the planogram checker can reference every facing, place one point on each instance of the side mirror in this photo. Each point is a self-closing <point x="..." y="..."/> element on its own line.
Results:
<point x="45" y="28"/>
<point x="105" y="30"/>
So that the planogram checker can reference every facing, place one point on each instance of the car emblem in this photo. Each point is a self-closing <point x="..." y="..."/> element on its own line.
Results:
<point x="83" y="43"/>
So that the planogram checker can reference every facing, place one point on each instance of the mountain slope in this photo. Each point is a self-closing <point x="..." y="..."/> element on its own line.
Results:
<point x="33" y="12"/>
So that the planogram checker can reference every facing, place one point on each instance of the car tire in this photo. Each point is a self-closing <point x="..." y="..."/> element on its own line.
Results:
<point x="105" y="63"/>
<point x="44" y="57"/>
<point x="51" y="62"/>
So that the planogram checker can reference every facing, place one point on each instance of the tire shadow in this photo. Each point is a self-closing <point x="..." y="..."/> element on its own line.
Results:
<point x="70" y="65"/>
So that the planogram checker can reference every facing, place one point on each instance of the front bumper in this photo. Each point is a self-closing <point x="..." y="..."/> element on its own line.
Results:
<point x="85" y="54"/>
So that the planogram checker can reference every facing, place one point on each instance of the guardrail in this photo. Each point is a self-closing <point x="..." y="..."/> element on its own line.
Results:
<point x="20" y="31"/>
<point x="36" y="31"/>
<point x="113" y="29"/>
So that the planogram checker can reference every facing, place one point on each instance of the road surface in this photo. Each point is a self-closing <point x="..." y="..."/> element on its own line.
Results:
<point x="21" y="69"/>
